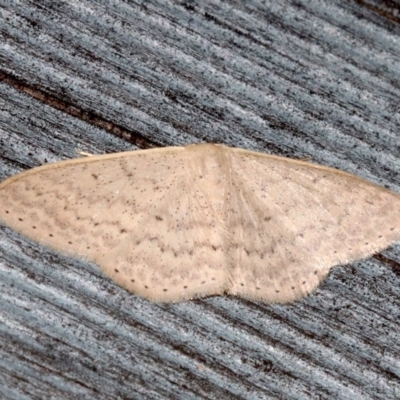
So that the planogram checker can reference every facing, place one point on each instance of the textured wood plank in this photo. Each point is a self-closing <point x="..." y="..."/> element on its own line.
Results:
<point x="315" y="79"/>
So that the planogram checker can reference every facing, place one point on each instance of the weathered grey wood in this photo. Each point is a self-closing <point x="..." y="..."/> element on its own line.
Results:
<point x="315" y="79"/>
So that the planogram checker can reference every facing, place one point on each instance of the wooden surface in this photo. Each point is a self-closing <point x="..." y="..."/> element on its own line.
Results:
<point x="317" y="79"/>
